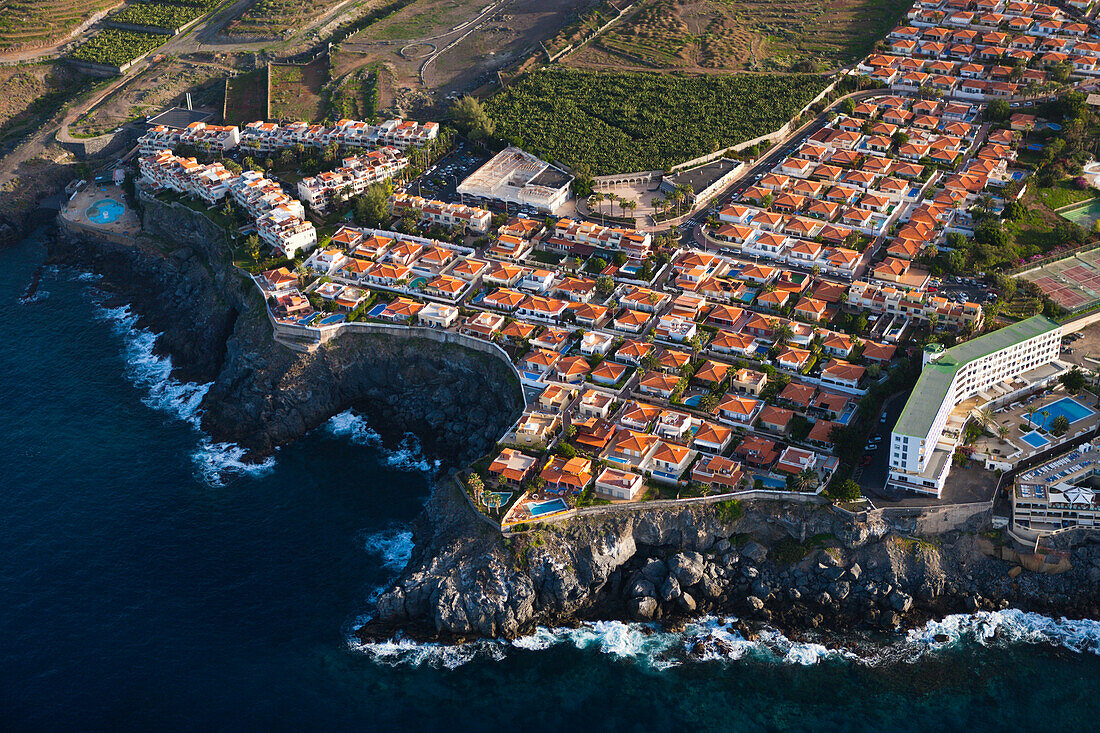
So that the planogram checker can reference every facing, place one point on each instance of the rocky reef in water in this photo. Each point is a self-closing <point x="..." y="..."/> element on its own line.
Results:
<point x="797" y="567"/>
<point x="213" y="325"/>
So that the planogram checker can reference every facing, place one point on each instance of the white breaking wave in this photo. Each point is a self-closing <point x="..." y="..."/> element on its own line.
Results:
<point x="1011" y="626"/>
<point x="406" y="457"/>
<point x="708" y="639"/>
<point x="38" y="295"/>
<point x="711" y="639"/>
<point x="214" y="462"/>
<point x="404" y="652"/>
<point x="394" y="546"/>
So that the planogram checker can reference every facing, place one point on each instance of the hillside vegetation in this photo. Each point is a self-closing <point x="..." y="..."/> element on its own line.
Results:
<point x="30" y="23"/>
<point x="620" y="122"/>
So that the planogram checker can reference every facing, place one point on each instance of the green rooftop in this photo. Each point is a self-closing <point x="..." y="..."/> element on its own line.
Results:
<point x="935" y="380"/>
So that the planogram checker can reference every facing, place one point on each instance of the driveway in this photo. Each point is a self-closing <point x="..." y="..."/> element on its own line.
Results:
<point x="875" y="474"/>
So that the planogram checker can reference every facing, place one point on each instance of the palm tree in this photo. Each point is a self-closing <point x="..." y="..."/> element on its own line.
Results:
<point x="783" y="334"/>
<point x="986" y="415"/>
<point x="631" y="206"/>
<point x="806" y="480"/>
<point x="597" y="198"/>
<point x="1002" y="432"/>
<point x="657" y="203"/>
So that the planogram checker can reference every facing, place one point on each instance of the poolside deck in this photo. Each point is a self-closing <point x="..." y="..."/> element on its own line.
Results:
<point x="76" y="210"/>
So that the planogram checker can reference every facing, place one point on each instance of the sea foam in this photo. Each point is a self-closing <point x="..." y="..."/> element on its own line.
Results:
<point x="394" y="546"/>
<point x="713" y="639"/>
<point x="214" y="462"/>
<point x="408" y="456"/>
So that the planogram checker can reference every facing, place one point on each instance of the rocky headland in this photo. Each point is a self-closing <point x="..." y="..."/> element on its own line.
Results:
<point x="797" y="567"/>
<point x="212" y="323"/>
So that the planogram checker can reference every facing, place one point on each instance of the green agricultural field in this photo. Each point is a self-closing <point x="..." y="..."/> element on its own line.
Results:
<point x="159" y="15"/>
<point x="116" y="47"/>
<point x="246" y="97"/>
<point x="30" y="23"/>
<point x="765" y="35"/>
<point x="620" y="122"/>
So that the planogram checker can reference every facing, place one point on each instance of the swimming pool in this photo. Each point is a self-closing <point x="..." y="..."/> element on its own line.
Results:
<point x="104" y="211"/>
<point x="694" y="400"/>
<point x="1034" y="439"/>
<point x="1073" y="410"/>
<point x="770" y="482"/>
<point x="377" y="311"/>
<point x="542" y="508"/>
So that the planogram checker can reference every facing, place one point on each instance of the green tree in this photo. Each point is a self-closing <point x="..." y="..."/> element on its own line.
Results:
<point x="471" y="116"/>
<point x="1073" y="380"/>
<point x="1059" y="425"/>
<point x="372" y="208"/>
<point x="847" y="490"/>
<point x="605" y="285"/>
<point x="565" y="450"/>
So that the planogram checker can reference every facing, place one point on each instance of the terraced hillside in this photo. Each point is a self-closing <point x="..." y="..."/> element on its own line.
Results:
<point x="279" y="18"/>
<point x="32" y="23"/>
<point x="743" y="34"/>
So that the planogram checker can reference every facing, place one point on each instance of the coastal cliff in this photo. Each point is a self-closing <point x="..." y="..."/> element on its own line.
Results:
<point x="797" y="567"/>
<point x="213" y="324"/>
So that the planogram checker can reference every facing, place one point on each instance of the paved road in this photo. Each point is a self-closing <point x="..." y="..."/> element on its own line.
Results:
<point x="691" y="234"/>
<point x="873" y="479"/>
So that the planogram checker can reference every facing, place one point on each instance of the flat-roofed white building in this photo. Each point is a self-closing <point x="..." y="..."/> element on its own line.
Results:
<point x="1063" y="493"/>
<point x="516" y="177"/>
<point x="350" y="179"/>
<point x="920" y="452"/>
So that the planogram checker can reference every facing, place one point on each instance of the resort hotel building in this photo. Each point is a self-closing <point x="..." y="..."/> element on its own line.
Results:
<point x="993" y="367"/>
<point x="1063" y="493"/>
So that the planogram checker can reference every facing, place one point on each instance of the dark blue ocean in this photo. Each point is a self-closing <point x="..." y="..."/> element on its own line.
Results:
<point x="149" y="582"/>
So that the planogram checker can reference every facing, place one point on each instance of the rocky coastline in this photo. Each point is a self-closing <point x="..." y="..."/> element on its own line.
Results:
<point x="798" y="568"/>
<point x="213" y="325"/>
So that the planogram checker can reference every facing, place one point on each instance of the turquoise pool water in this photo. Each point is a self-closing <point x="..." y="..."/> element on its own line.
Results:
<point x="1071" y="408"/>
<point x="1034" y="439"/>
<point x="104" y="211"/>
<point x="694" y="400"/>
<point x="770" y="482"/>
<point x="542" y="508"/>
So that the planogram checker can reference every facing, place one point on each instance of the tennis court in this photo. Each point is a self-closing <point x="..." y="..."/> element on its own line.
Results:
<point x="1071" y="283"/>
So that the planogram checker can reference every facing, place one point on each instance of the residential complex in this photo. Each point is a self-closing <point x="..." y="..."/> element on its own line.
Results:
<point x="351" y="178"/>
<point x="455" y="216"/>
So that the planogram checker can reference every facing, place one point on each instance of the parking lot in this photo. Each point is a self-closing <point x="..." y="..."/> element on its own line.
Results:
<point x="441" y="180"/>
<point x="966" y="289"/>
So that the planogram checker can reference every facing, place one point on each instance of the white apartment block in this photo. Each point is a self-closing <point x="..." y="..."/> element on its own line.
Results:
<point x="920" y="452"/>
<point x="258" y="195"/>
<point x="284" y="230"/>
<point x="445" y="214"/>
<point x="200" y="134"/>
<point x="269" y="136"/>
<point x="211" y="182"/>
<point x="352" y="178"/>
